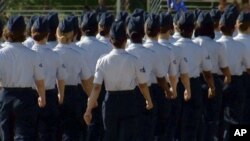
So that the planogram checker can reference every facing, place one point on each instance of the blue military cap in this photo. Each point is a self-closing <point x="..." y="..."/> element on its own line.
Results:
<point x="89" y="20"/>
<point x="53" y="20"/>
<point x="244" y="17"/>
<point x="205" y="19"/>
<point x="41" y="25"/>
<point x="152" y="22"/>
<point x="166" y="19"/>
<point x="106" y="19"/>
<point x="16" y="24"/>
<point x="66" y="26"/>
<point x="122" y="16"/>
<point x="196" y="13"/>
<point x="118" y="31"/>
<point x="215" y="14"/>
<point x="186" y="19"/>
<point x="228" y="19"/>
<point x="145" y="16"/>
<point x="32" y="20"/>
<point x="176" y="17"/>
<point x="232" y="8"/>
<point x="138" y="12"/>
<point x="135" y="25"/>
<point x="74" y="21"/>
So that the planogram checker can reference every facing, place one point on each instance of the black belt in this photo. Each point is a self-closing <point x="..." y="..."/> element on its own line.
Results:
<point x="17" y="89"/>
<point x="121" y="92"/>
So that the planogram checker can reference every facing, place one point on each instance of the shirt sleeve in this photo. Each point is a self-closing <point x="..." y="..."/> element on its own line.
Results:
<point x="222" y="57"/>
<point x="158" y="68"/>
<point x="61" y="69"/>
<point x="246" y="58"/>
<point x="38" y="68"/>
<point x="99" y="74"/>
<point x="85" y="70"/>
<point x="140" y="70"/>
<point x="206" y="64"/>
<point x="173" y="65"/>
<point x="183" y="64"/>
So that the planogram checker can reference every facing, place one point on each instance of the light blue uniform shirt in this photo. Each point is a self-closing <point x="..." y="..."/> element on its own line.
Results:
<point x="20" y="67"/>
<point x="76" y="68"/>
<point x="54" y="69"/>
<point x="29" y="42"/>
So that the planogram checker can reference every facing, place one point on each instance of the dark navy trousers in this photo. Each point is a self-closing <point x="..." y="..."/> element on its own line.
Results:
<point x="96" y="129"/>
<point x="173" y="125"/>
<point x="209" y="128"/>
<point x="119" y="116"/>
<point x="233" y="104"/>
<point x="192" y="112"/>
<point x="18" y="114"/>
<point x="71" y="114"/>
<point x="146" y="119"/>
<point x="48" y="119"/>
<point x="246" y="112"/>
<point x="83" y="101"/>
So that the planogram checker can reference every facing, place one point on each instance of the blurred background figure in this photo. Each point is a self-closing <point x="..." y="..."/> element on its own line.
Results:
<point x="177" y="5"/>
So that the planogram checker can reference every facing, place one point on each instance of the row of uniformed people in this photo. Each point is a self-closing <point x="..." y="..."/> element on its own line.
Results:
<point x="151" y="23"/>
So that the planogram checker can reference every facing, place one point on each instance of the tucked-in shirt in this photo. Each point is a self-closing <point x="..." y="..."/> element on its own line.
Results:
<point x="216" y="51"/>
<point x="166" y="55"/>
<point x="29" y="42"/>
<point x="237" y="55"/>
<point x="151" y="61"/>
<point x="95" y="50"/>
<point x="20" y="67"/>
<point x="75" y="67"/>
<point x="119" y="71"/>
<point x="198" y="58"/>
<point x="181" y="60"/>
<point x="54" y="69"/>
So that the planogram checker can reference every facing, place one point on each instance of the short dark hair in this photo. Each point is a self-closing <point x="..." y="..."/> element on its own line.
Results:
<point x="104" y="30"/>
<point x="38" y="36"/>
<point x="227" y="30"/>
<point x="90" y="31"/>
<point x="13" y="36"/>
<point x="204" y="30"/>
<point x="152" y="32"/>
<point x="243" y="26"/>
<point x="166" y="28"/>
<point x="118" y="43"/>
<point x="52" y="35"/>
<point x="186" y="31"/>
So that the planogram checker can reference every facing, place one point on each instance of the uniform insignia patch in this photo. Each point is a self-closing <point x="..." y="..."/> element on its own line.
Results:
<point x="63" y="66"/>
<point x="208" y="57"/>
<point x="142" y="70"/>
<point x="175" y="62"/>
<point x="40" y="65"/>
<point x="185" y="59"/>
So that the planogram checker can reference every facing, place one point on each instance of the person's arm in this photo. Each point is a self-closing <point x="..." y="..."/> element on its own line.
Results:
<point x="165" y="86"/>
<point x="60" y="88"/>
<point x="41" y="92"/>
<point x="92" y="102"/>
<point x="186" y="82"/>
<point x="173" y="83"/>
<point x="87" y="85"/>
<point x="145" y="92"/>
<point x="226" y="72"/>
<point x="210" y="82"/>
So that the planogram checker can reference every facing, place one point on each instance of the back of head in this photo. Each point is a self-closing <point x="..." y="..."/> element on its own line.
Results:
<point x="243" y="21"/>
<point x="53" y="20"/>
<point x="152" y="25"/>
<point x="122" y="16"/>
<point x="186" y="24"/>
<point x="135" y="29"/>
<point x="89" y="25"/>
<point x="227" y="23"/>
<point x="105" y="23"/>
<point x="204" y="25"/>
<point x="15" y="29"/>
<point x="65" y="31"/>
<point x="118" y="34"/>
<point x="166" y="22"/>
<point x="40" y="29"/>
<point x="30" y="23"/>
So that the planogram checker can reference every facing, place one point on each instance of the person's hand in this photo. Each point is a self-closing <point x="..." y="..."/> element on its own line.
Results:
<point x="211" y="92"/>
<point x="227" y="80"/>
<point x="60" y="99"/>
<point x="149" y="105"/>
<point x="41" y="102"/>
<point x="187" y="95"/>
<point x="87" y="116"/>
<point x="170" y="94"/>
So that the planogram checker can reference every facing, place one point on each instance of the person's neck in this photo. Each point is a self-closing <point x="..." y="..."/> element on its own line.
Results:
<point x="164" y="36"/>
<point x="42" y="42"/>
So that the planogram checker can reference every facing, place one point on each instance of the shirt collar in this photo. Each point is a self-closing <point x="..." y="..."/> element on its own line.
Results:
<point x="117" y="51"/>
<point x="164" y="41"/>
<point x="243" y="34"/>
<point x="134" y="45"/>
<point x="149" y="40"/>
<point x="182" y="39"/>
